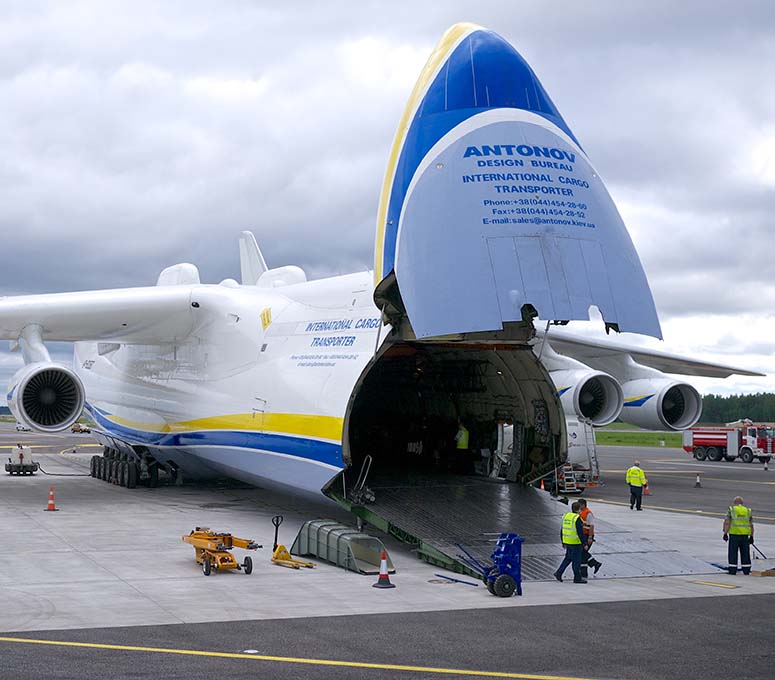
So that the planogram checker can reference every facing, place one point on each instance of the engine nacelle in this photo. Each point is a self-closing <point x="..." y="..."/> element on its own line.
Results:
<point x="660" y="404"/>
<point x="592" y="395"/>
<point x="46" y="397"/>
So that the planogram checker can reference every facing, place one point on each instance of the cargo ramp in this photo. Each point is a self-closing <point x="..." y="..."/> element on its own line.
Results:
<point x="434" y="513"/>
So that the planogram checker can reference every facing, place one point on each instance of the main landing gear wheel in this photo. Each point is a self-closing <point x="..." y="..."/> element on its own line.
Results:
<point x="93" y="466"/>
<point x="206" y="566"/>
<point x="123" y="474"/>
<point x="247" y="565"/>
<point x="504" y="586"/>
<point x="131" y="478"/>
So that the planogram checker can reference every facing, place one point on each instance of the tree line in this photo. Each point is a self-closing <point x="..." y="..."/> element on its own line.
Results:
<point x="758" y="407"/>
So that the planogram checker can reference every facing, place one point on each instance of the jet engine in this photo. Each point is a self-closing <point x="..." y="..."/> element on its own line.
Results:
<point x="592" y="395"/>
<point x="660" y="404"/>
<point x="46" y="397"/>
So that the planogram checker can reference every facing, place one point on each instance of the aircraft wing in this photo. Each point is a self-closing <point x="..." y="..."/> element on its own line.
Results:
<point x="130" y="315"/>
<point x="588" y="349"/>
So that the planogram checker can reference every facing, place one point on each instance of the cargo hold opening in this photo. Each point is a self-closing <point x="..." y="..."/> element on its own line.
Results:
<point x="407" y="408"/>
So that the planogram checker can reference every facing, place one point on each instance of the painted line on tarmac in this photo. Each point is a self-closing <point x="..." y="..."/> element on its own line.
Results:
<point x="717" y="585"/>
<point x="712" y="465"/>
<point x="707" y="513"/>
<point x="689" y="473"/>
<point x="289" y="659"/>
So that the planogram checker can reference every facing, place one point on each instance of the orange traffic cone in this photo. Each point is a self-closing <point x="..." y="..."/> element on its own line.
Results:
<point x="646" y="491"/>
<point x="384" y="580"/>
<point x="542" y="485"/>
<point x="51" y="507"/>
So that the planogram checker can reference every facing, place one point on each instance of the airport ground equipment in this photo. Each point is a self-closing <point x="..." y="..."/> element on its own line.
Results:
<point x="744" y="440"/>
<point x="457" y="580"/>
<point x="20" y="462"/>
<point x="503" y="576"/>
<point x="212" y="550"/>
<point x="340" y="545"/>
<point x="280" y="554"/>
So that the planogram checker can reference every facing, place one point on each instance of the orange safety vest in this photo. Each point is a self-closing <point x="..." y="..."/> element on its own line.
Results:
<point x="583" y="514"/>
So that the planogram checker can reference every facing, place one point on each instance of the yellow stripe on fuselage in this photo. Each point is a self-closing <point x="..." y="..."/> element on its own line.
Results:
<point x="447" y="43"/>
<point x="298" y="424"/>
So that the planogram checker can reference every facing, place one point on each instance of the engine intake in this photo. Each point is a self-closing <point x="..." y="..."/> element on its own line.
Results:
<point x="46" y="397"/>
<point x="591" y="395"/>
<point x="661" y="404"/>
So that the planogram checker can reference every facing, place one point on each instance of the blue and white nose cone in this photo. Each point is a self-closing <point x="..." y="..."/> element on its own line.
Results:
<point x="490" y="203"/>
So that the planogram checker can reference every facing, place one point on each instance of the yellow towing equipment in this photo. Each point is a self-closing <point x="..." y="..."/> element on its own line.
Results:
<point x="212" y="550"/>
<point x="280" y="554"/>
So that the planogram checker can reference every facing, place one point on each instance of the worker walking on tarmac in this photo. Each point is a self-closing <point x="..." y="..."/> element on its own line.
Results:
<point x="738" y="531"/>
<point x="573" y="540"/>
<point x="636" y="478"/>
<point x="589" y="535"/>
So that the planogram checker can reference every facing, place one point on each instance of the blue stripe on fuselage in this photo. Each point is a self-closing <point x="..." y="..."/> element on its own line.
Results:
<point x="300" y="447"/>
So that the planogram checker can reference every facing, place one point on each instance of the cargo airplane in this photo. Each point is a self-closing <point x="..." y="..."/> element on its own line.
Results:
<point x="491" y="216"/>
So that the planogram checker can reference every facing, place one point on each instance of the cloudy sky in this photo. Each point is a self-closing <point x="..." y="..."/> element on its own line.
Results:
<point x="139" y="134"/>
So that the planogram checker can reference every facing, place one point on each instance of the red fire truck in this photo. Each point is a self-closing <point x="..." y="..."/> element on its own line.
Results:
<point x="746" y="441"/>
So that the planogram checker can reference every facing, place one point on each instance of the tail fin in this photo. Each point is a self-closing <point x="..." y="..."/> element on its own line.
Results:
<point x="490" y="205"/>
<point x="252" y="263"/>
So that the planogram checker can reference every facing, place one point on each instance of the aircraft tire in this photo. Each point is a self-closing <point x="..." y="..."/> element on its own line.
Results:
<point x="104" y="469"/>
<point x="123" y="473"/>
<point x="131" y="480"/>
<point x="153" y="477"/>
<point x="93" y="466"/>
<point x="504" y="586"/>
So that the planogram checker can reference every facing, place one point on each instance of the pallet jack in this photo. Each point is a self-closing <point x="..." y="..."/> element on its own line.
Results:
<point x="280" y="554"/>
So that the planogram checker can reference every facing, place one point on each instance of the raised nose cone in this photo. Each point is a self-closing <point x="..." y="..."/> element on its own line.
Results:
<point x="491" y="209"/>
<point x="486" y="72"/>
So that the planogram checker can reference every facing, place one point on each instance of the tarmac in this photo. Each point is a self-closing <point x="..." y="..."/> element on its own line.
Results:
<point x="112" y="558"/>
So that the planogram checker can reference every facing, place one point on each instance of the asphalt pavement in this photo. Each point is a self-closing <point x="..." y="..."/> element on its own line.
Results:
<point x="672" y="475"/>
<point x="674" y="639"/>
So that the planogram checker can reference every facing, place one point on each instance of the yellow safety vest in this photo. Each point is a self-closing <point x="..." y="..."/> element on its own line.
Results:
<point x="635" y="477"/>
<point x="569" y="534"/>
<point x="462" y="438"/>
<point x="740" y="520"/>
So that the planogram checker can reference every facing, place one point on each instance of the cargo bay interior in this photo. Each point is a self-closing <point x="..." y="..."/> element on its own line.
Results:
<point x="408" y="407"/>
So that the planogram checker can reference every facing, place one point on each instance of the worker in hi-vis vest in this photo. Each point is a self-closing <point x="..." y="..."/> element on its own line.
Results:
<point x="574" y="541"/>
<point x="461" y="438"/>
<point x="738" y="531"/>
<point x="636" y="478"/>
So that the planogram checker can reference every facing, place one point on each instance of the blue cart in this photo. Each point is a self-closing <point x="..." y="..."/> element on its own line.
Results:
<point x="504" y="575"/>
